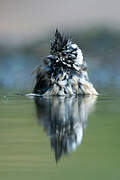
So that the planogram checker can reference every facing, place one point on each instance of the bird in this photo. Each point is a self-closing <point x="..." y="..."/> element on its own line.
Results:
<point x="64" y="72"/>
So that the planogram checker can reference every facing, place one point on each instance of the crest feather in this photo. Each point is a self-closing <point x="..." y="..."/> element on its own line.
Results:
<point x="59" y="43"/>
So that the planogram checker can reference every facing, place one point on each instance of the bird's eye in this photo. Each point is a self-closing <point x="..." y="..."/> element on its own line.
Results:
<point x="63" y="54"/>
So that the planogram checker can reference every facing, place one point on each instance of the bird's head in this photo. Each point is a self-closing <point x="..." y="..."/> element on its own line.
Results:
<point x="64" y="53"/>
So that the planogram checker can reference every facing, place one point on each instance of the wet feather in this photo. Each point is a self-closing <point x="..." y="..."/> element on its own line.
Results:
<point x="64" y="71"/>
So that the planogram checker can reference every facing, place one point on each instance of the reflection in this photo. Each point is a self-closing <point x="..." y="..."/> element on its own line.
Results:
<point x="64" y="120"/>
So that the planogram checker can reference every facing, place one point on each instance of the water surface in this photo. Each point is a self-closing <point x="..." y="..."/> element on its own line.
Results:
<point x="59" y="138"/>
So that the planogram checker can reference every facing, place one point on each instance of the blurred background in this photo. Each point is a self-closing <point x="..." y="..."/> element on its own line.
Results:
<point x="27" y="149"/>
<point x="27" y="26"/>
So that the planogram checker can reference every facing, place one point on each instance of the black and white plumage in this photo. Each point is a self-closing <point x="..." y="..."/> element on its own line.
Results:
<point x="64" y="72"/>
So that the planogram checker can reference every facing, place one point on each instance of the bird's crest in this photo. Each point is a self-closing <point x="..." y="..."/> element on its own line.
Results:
<point x="59" y="43"/>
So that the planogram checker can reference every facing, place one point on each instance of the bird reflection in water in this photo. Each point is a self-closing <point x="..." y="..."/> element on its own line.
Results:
<point x="64" y="120"/>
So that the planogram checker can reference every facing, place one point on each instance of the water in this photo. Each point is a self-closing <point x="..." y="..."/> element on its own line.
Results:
<point x="59" y="138"/>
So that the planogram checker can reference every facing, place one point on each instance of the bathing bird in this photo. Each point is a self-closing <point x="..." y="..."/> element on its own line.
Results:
<point x="63" y="72"/>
